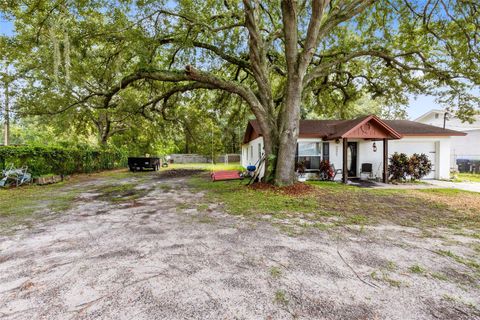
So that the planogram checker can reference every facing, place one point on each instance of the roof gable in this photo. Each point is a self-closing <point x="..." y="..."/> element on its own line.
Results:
<point x="369" y="127"/>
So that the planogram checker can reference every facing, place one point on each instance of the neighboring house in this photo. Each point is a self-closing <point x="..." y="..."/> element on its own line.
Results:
<point x="462" y="147"/>
<point x="348" y="144"/>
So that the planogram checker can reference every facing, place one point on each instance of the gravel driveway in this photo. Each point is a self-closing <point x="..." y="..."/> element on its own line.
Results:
<point x="170" y="255"/>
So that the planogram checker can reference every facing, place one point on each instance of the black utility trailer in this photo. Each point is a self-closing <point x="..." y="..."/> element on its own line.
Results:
<point x="141" y="163"/>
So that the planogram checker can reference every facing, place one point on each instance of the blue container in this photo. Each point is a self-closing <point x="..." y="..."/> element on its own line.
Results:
<point x="251" y="168"/>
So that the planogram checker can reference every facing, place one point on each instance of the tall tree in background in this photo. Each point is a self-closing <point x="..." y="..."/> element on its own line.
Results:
<point x="278" y="55"/>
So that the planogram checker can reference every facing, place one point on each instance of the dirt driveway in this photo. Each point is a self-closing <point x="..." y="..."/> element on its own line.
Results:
<point x="147" y="247"/>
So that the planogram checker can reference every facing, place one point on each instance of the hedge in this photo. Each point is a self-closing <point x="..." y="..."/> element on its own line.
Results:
<point x="43" y="160"/>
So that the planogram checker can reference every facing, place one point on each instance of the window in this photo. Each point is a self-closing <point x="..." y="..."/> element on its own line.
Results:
<point x="436" y="115"/>
<point x="309" y="154"/>
<point x="326" y="151"/>
<point x="251" y="152"/>
<point x="259" y="150"/>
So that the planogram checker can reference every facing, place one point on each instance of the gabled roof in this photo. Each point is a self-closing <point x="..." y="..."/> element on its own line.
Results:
<point x="412" y="128"/>
<point x="370" y="127"/>
<point x="367" y="127"/>
<point x="426" y="114"/>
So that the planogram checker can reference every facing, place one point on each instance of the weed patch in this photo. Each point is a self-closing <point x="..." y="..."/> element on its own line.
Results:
<point x="120" y="193"/>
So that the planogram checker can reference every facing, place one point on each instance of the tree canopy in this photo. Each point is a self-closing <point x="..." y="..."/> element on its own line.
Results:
<point x="118" y="67"/>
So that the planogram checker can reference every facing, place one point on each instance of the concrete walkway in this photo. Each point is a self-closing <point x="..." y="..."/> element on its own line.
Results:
<point x="427" y="184"/>
<point x="381" y="185"/>
<point x="467" y="186"/>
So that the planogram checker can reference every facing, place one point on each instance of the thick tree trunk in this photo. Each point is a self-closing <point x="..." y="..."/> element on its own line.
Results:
<point x="270" y="146"/>
<point x="104" y="133"/>
<point x="289" y="125"/>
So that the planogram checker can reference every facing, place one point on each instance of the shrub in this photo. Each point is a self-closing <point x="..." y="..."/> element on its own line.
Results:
<point x="415" y="167"/>
<point x="43" y="160"/>
<point x="398" y="166"/>
<point x="326" y="170"/>
<point x="419" y="166"/>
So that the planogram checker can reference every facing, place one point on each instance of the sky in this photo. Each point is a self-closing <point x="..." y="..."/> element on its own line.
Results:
<point x="417" y="105"/>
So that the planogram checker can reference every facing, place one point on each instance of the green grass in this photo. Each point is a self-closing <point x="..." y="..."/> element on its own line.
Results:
<point x="20" y="204"/>
<point x="241" y="200"/>
<point x="447" y="192"/>
<point x="281" y="297"/>
<point x="384" y="276"/>
<point x="416" y="269"/>
<point x="275" y="272"/>
<point x="120" y="192"/>
<point x="467" y="262"/>
<point x="202" y="207"/>
<point x="206" y="166"/>
<point x="472" y="177"/>
<point x="334" y="204"/>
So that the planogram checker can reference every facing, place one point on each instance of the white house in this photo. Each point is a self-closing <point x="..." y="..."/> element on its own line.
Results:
<point x="357" y="146"/>
<point x="461" y="147"/>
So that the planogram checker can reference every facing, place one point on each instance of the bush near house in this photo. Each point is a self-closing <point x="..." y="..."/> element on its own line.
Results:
<point x="416" y="167"/>
<point x="42" y="160"/>
<point x="326" y="170"/>
<point x="419" y="166"/>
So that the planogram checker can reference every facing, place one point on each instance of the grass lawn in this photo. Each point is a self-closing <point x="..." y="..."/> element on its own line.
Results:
<point x="471" y="177"/>
<point x="330" y="204"/>
<point x="19" y="205"/>
<point x="323" y="205"/>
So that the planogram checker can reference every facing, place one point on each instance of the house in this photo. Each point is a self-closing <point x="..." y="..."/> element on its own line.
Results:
<point x="365" y="142"/>
<point x="461" y="147"/>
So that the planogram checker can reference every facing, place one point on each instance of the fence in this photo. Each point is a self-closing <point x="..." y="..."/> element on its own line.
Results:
<point x="197" y="158"/>
<point x="470" y="166"/>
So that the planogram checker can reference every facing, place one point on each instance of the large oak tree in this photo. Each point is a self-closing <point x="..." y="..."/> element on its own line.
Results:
<point x="278" y="55"/>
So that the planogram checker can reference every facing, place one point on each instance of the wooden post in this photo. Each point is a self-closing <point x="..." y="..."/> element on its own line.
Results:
<point x="385" y="160"/>
<point x="345" y="167"/>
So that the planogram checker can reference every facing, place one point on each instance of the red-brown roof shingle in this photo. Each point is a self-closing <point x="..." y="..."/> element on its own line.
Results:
<point x="333" y="129"/>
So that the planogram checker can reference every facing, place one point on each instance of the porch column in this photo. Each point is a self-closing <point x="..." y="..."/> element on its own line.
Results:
<point x="385" y="160"/>
<point x="344" y="169"/>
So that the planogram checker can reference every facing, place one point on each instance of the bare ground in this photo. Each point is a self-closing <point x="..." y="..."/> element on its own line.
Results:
<point x="162" y="252"/>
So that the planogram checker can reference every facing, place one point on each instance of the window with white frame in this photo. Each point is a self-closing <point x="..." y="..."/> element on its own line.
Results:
<point x="309" y="154"/>
<point x="259" y="150"/>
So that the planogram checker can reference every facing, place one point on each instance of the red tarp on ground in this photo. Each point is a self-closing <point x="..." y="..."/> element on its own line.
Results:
<point x="225" y="175"/>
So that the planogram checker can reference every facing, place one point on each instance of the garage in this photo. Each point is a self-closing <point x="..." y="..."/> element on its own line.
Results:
<point x="410" y="146"/>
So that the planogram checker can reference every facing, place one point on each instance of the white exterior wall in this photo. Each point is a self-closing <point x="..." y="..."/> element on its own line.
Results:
<point x="436" y="148"/>
<point x="467" y="147"/>
<point x="462" y="147"/>
<point x="252" y="159"/>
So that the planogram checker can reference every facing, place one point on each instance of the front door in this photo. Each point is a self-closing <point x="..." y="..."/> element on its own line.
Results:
<point x="352" y="159"/>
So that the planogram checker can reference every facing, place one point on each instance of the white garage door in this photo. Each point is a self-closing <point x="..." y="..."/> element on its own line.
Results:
<point x="411" y="147"/>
